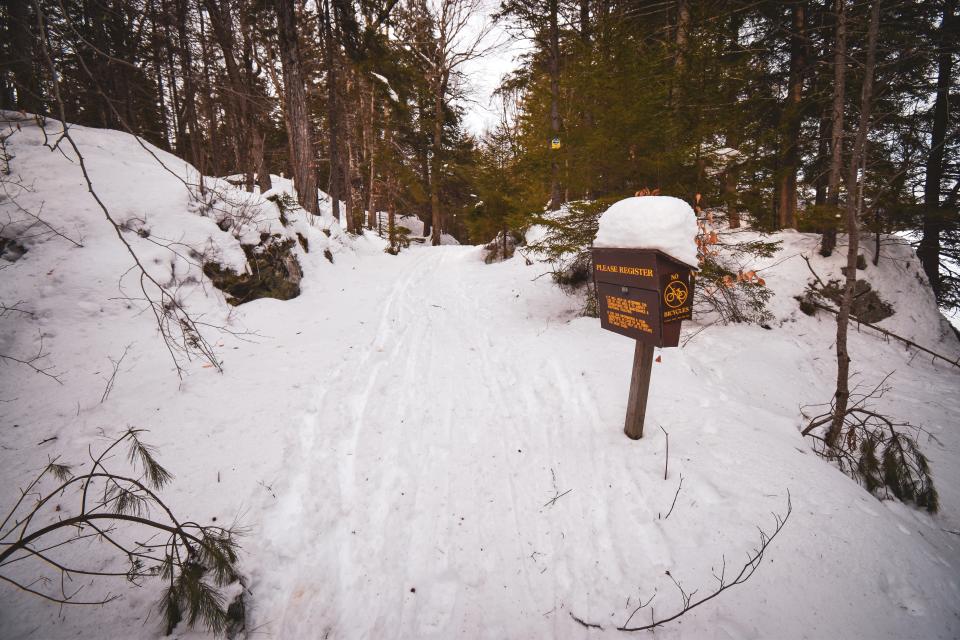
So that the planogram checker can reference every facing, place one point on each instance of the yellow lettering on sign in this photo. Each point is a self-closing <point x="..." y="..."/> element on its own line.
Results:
<point x="627" y="306"/>
<point x="627" y="271"/>
<point x="628" y="322"/>
<point x="669" y="313"/>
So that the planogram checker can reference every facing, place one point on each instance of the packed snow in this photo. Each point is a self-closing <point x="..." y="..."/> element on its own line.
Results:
<point x="427" y="446"/>
<point x="651" y="222"/>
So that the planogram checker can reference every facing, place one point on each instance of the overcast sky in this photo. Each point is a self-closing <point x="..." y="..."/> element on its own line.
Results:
<point x="484" y="74"/>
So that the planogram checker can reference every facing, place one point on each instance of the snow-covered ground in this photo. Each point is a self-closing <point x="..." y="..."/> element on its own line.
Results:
<point x="394" y="437"/>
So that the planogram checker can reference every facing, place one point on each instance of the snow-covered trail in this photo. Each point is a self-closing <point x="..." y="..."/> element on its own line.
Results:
<point x="412" y="492"/>
<point x="414" y="498"/>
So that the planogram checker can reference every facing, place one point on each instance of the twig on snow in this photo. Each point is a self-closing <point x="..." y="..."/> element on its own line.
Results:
<point x="673" y="504"/>
<point x="752" y="563"/>
<point x="588" y="625"/>
<point x="666" y="460"/>
<point x="556" y="491"/>
<point x="113" y="376"/>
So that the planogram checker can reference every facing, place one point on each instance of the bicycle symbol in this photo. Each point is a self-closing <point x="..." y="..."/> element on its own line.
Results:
<point x="675" y="294"/>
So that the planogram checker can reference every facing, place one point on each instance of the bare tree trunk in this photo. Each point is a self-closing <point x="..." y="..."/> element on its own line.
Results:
<point x="238" y="101"/>
<point x="829" y="241"/>
<point x="555" y="197"/>
<point x="158" y="42"/>
<point x="680" y="39"/>
<point x="854" y="203"/>
<point x="333" y="111"/>
<point x="264" y="183"/>
<point x="188" y="132"/>
<point x="345" y="163"/>
<point x="257" y="106"/>
<point x="822" y="161"/>
<point x="933" y="215"/>
<point x="21" y="29"/>
<point x="370" y="140"/>
<point x="435" y="170"/>
<point x="295" y="107"/>
<point x="390" y="192"/>
<point x="790" y="128"/>
<point x="731" y="196"/>
<point x="426" y="215"/>
<point x="353" y="181"/>
<point x="585" y="31"/>
<point x="209" y="158"/>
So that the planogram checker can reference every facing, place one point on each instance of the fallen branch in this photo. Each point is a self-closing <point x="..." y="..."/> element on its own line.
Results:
<point x="889" y="334"/>
<point x="752" y="563"/>
<point x="33" y="361"/>
<point x="881" y="454"/>
<point x="195" y="562"/>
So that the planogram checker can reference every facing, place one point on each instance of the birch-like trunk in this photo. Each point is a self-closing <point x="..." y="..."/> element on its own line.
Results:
<point x="853" y="206"/>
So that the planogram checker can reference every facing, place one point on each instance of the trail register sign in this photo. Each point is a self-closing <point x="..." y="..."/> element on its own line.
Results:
<point x="645" y="293"/>
<point x="642" y="294"/>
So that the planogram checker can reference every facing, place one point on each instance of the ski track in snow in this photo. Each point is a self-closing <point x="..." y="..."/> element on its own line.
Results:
<point x="419" y="484"/>
<point x="408" y="432"/>
<point x="387" y="439"/>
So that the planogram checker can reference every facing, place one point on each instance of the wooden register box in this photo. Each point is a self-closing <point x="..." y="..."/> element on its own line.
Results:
<point x="643" y="294"/>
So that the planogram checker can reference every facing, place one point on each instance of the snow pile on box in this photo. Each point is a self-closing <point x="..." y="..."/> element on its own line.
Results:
<point x="651" y="222"/>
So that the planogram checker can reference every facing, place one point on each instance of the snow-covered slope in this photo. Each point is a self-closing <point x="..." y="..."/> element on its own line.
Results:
<point x="394" y="437"/>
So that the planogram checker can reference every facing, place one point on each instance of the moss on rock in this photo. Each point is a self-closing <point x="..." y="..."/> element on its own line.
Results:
<point x="274" y="272"/>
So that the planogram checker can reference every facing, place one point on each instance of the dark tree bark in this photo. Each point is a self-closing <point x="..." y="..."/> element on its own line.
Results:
<point x="333" y="110"/>
<point x="21" y="31"/>
<point x="189" y="136"/>
<point x="295" y="108"/>
<point x="369" y="140"/>
<point x="933" y="216"/>
<point x="210" y="155"/>
<point x="257" y="106"/>
<point x="555" y="197"/>
<point x="236" y="99"/>
<point x="822" y="161"/>
<point x="842" y="396"/>
<point x="424" y="164"/>
<point x="439" y="90"/>
<point x="681" y="35"/>
<point x="585" y="29"/>
<point x="829" y="240"/>
<point x="158" y="44"/>
<point x="791" y="121"/>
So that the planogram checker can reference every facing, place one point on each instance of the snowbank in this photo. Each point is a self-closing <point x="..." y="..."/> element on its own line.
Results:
<point x="651" y="222"/>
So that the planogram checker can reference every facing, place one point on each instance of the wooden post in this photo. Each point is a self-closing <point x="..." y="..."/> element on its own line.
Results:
<point x="639" y="386"/>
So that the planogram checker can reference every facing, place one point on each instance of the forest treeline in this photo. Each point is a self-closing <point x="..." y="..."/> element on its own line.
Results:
<point x="754" y="105"/>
